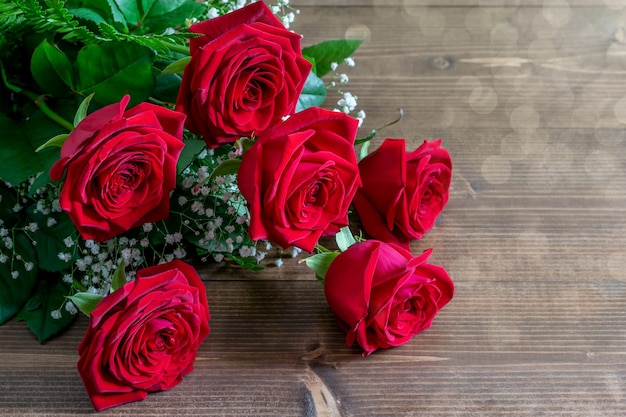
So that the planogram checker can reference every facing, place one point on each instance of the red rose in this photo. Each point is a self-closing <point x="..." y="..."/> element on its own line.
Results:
<point x="382" y="295"/>
<point x="300" y="177"/>
<point x="245" y="74"/>
<point x="403" y="194"/>
<point x="144" y="337"/>
<point x="121" y="167"/>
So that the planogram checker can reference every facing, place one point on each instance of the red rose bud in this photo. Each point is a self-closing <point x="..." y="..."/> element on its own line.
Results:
<point x="382" y="295"/>
<point x="245" y="74"/>
<point x="300" y="177"/>
<point x="121" y="168"/>
<point x="144" y="336"/>
<point x="403" y="193"/>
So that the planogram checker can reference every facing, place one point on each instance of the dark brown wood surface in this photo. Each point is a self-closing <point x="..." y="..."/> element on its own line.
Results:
<point x="531" y="103"/>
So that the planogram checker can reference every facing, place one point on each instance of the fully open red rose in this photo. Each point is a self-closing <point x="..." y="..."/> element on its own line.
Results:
<point x="121" y="167"/>
<point x="246" y="72"/>
<point x="300" y="177"/>
<point x="144" y="336"/>
<point x="403" y="193"/>
<point x="382" y="295"/>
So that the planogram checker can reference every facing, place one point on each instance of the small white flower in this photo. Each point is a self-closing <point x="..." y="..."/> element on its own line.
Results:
<point x="208" y="212"/>
<point x="179" y="253"/>
<point x="67" y="278"/>
<point x="213" y="13"/>
<point x="17" y="207"/>
<point x="333" y="66"/>
<point x="230" y="228"/>
<point x="8" y="242"/>
<point x="218" y="257"/>
<point x="147" y="227"/>
<point x="144" y="243"/>
<point x="51" y="221"/>
<point x="343" y="78"/>
<point x="68" y="241"/>
<point x="279" y="262"/>
<point x="182" y="200"/>
<point x="33" y="227"/>
<point x="3" y="258"/>
<point x="349" y="61"/>
<point x="218" y="221"/>
<point x="197" y="207"/>
<point x="188" y="182"/>
<point x="28" y="266"/>
<point x="65" y="257"/>
<point x="15" y="274"/>
<point x="71" y="308"/>
<point x="56" y="314"/>
<point x="4" y="232"/>
<point x="238" y="239"/>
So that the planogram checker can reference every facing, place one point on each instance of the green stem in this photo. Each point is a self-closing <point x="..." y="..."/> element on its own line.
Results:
<point x="174" y="47"/>
<point x="38" y="100"/>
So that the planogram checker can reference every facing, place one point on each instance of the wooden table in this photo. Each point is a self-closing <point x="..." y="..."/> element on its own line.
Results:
<point x="531" y="103"/>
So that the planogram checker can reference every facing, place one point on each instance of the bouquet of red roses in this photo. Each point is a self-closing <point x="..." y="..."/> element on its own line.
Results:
<point x="142" y="134"/>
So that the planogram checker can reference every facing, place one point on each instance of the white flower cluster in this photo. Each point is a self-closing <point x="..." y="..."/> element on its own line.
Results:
<point x="347" y="103"/>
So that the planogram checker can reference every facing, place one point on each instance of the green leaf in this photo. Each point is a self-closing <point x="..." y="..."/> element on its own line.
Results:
<point x="329" y="51"/>
<point x="176" y="67"/>
<point x="57" y="141"/>
<point x="15" y="292"/>
<point x="228" y="167"/>
<point x="113" y="69"/>
<point x="52" y="69"/>
<point x="83" y="109"/>
<point x="18" y="141"/>
<point x="192" y="148"/>
<point x="313" y="93"/>
<point x="130" y="10"/>
<point x="248" y="263"/>
<point x="119" y="277"/>
<point x="344" y="238"/>
<point x="37" y="311"/>
<point x="320" y="263"/>
<point x="50" y="239"/>
<point x="86" y="302"/>
<point x="163" y="14"/>
<point x="167" y="87"/>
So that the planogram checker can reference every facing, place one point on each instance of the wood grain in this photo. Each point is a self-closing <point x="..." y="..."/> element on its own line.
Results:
<point x="530" y="100"/>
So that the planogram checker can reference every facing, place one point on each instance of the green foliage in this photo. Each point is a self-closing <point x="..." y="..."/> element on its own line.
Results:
<point x="111" y="70"/>
<point x="313" y="93"/>
<point x="86" y="302"/>
<point x="15" y="291"/>
<point x="37" y="311"/>
<point x="320" y="263"/>
<point x="50" y="239"/>
<point x="329" y="51"/>
<point x="344" y="239"/>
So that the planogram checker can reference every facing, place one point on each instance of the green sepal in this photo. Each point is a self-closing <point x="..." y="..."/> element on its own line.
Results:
<point x="313" y="93"/>
<point x="344" y="238"/>
<point x="86" y="302"/>
<point x="119" y="277"/>
<point x="329" y="51"/>
<point x="83" y="109"/>
<point x="57" y="141"/>
<point x="364" y="151"/>
<point x="176" y="67"/>
<point x="37" y="311"/>
<point x="228" y="167"/>
<point x="320" y="263"/>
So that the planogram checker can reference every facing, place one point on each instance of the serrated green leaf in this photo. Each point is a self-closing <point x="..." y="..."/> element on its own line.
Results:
<point x="344" y="238"/>
<point x="329" y="51"/>
<point x="320" y="263"/>
<point x="313" y="93"/>
<point x="190" y="151"/>
<point x="52" y="69"/>
<point x="83" y="109"/>
<point x="15" y="292"/>
<point x="176" y="67"/>
<point x="86" y="302"/>
<point x="37" y="311"/>
<point x="119" y="277"/>
<point x="113" y="69"/>
<point x="57" y="141"/>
